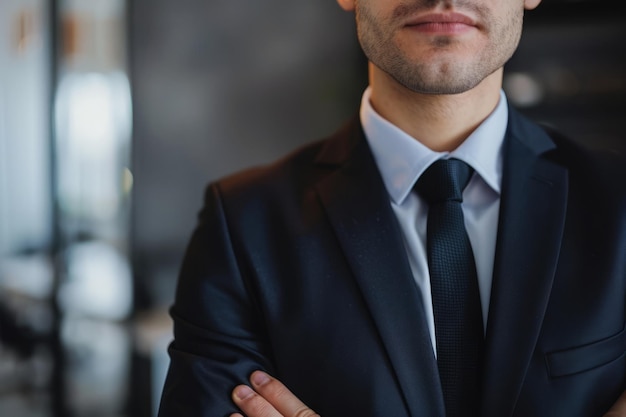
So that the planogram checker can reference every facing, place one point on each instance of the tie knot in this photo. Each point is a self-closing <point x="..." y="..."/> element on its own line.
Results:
<point x="444" y="180"/>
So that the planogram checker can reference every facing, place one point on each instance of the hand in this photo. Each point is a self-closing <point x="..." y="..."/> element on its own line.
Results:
<point x="273" y="399"/>
<point x="270" y="398"/>
<point x="619" y="408"/>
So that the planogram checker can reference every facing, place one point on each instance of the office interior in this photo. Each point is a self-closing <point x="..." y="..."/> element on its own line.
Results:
<point x="115" y="114"/>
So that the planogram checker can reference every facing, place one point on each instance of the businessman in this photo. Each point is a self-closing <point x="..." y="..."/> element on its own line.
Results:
<point x="440" y="255"/>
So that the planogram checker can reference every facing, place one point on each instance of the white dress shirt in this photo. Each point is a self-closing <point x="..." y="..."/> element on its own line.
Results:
<point x="401" y="160"/>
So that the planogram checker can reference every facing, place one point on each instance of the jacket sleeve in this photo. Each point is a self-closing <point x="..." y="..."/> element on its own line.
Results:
<point x="219" y="336"/>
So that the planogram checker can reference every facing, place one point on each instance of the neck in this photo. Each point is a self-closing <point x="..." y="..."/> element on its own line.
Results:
<point x="440" y="122"/>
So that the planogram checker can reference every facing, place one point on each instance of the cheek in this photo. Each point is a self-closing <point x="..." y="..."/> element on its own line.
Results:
<point x="507" y="28"/>
<point x="372" y="29"/>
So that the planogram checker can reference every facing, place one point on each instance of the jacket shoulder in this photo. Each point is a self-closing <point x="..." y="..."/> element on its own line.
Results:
<point x="576" y="156"/>
<point x="292" y="175"/>
<point x="600" y="173"/>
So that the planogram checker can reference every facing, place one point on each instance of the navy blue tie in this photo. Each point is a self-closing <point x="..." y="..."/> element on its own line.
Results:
<point x="454" y="287"/>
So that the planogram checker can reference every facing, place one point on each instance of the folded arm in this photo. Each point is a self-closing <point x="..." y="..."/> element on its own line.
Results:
<point x="219" y="336"/>
<point x="268" y="397"/>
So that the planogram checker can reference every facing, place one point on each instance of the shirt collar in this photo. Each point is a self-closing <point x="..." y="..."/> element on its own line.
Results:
<point x="401" y="159"/>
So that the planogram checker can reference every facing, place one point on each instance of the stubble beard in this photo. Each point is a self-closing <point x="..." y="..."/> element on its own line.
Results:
<point x="445" y="74"/>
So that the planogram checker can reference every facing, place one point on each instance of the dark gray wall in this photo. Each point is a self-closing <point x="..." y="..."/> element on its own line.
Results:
<point x="578" y="60"/>
<point x="219" y="85"/>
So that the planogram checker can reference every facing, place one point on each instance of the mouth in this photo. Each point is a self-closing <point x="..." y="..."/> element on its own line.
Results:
<point x="442" y="23"/>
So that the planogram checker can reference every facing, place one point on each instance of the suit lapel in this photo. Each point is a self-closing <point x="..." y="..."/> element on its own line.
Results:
<point x="532" y="213"/>
<point x="358" y="207"/>
<point x="533" y="205"/>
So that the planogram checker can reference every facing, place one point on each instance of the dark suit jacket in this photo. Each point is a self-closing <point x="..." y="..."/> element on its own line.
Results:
<point x="299" y="269"/>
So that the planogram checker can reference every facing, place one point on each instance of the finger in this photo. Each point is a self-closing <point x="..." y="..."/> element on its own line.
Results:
<point x="283" y="400"/>
<point x="252" y="404"/>
<point x="619" y="408"/>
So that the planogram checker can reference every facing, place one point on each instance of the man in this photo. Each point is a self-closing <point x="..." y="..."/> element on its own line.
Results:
<point x="325" y="269"/>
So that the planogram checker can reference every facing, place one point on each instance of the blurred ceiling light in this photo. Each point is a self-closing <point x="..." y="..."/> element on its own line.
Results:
<point x="561" y="81"/>
<point x="523" y="90"/>
<point x="97" y="111"/>
<point x="70" y="35"/>
<point x="29" y="275"/>
<point x="99" y="282"/>
<point x="24" y="30"/>
<point x="127" y="181"/>
<point x="93" y="121"/>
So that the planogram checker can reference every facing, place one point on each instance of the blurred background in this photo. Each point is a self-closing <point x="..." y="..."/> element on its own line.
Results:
<point x="114" y="115"/>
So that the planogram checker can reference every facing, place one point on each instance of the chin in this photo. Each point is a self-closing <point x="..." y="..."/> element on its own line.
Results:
<point x="440" y="82"/>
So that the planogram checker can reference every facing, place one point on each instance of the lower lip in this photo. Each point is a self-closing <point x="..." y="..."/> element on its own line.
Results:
<point x="442" y="28"/>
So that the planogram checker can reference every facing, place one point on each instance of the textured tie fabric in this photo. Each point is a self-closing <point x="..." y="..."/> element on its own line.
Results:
<point x="454" y="286"/>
